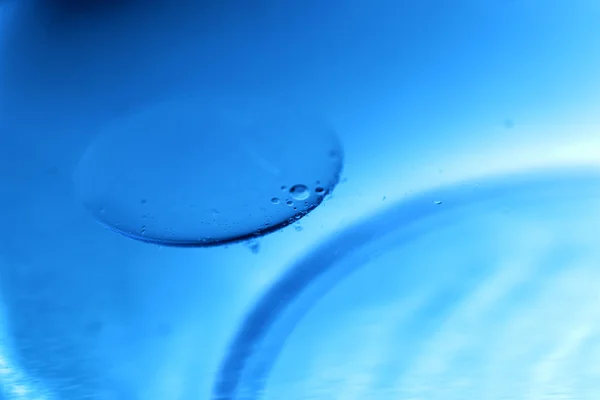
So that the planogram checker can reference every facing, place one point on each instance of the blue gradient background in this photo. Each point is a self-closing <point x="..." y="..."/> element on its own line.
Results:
<point x="421" y="93"/>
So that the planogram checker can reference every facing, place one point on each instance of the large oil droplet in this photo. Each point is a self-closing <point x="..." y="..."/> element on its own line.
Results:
<point x="186" y="159"/>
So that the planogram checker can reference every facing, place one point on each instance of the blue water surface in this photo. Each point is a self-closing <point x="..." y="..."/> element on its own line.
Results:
<point x="419" y="95"/>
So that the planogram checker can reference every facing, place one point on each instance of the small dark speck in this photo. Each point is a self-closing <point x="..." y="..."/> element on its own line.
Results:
<point x="164" y="330"/>
<point x="94" y="328"/>
<point x="254" y="246"/>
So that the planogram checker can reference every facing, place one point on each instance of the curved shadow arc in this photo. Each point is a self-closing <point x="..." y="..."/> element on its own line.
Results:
<point x="266" y="327"/>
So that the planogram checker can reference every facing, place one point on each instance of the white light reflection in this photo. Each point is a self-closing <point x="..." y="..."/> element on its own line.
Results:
<point x="14" y="384"/>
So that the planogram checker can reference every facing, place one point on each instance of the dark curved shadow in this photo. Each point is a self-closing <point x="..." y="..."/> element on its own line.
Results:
<point x="271" y="320"/>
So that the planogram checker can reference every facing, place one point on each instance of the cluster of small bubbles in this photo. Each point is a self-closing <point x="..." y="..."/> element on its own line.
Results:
<point x="296" y="217"/>
<point x="299" y="192"/>
<point x="275" y="200"/>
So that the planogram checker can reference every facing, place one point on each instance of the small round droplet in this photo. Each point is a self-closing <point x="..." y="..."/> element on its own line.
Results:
<point x="299" y="192"/>
<point x="319" y="190"/>
<point x="289" y="203"/>
<point x="275" y="200"/>
<point x="143" y="201"/>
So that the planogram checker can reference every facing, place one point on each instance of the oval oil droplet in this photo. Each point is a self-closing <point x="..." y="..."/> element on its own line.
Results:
<point x="170" y="153"/>
<point x="275" y="200"/>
